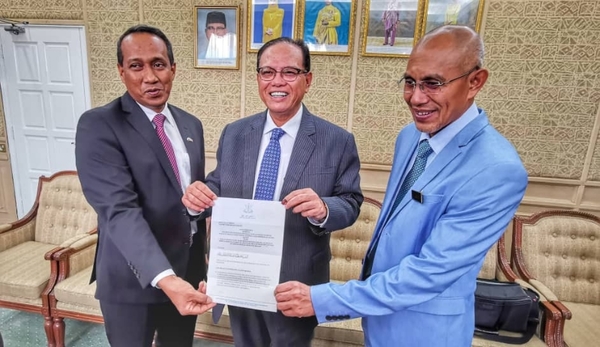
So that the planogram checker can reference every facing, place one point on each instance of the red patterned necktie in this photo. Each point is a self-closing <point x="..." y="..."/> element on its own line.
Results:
<point x="159" y="121"/>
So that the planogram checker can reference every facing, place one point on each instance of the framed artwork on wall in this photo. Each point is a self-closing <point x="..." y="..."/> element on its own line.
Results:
<point x="391" y="27"/>
<point x="270" y="19"/>
<point x="461" y="12"/>
<point x="327" y="26"/>
<point x="217" y="44"/>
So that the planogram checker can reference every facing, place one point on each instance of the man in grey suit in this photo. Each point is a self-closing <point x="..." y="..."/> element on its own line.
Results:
<point x="135" y="156"/>
<point x="317" y="180"/>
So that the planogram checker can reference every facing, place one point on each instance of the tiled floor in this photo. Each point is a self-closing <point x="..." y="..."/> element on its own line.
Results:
<point x="22" y="329"/>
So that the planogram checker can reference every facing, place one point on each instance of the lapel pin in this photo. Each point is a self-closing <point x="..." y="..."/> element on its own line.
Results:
<point x="189" y="139"/>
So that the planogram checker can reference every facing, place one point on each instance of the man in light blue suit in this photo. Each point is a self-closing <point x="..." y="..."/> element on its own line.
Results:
<point x="316" y="178"/>
<point x="464" y="182"/>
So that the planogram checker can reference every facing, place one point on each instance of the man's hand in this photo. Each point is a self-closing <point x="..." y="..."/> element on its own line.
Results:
<point x="307" y="203"/>
<point x="293" y="299"/>
<point x="186" y="299"/>
<point x="198" y="197"/>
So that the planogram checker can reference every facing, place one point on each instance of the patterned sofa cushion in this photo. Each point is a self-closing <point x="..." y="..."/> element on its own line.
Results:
<point x="76" y="290"/>
<point x="348" y="332"/>
<point x="63" y="211"/>
<point x="582" y="329"/>
<point x="23" y="270"/>
<point x="562" y="252"/>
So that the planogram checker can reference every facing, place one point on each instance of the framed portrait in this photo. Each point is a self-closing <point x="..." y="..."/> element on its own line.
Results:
<point x="327" y="25"/>
<point x="217" y="44"/>
<point x="391" y="27"/>
<point x="270" y="19"/>
<point x="461" y="12"/>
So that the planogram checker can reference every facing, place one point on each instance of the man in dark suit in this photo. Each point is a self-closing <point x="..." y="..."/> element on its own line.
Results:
<point x="135" y="157"/>
<point x="317" y="179"/>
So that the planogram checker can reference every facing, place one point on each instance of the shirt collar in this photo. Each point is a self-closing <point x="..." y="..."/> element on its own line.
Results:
<point x="150" y="113"/>
<point x="444" y="136"/>
<point x="291" y="127"/>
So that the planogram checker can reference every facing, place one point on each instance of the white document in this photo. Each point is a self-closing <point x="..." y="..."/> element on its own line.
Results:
<point x="245" y="252"/>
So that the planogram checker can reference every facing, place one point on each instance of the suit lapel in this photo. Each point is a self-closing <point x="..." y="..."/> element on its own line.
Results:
<point x="406" y="148"/>
<point x="188" y="139"/>
<point x="303" y="149"/>
<point x="252" y="140"/>
<point x="138" y="120"/>
<point x="444" y="158"/>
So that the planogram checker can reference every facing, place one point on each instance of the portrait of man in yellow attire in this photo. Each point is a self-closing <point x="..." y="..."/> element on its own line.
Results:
<point x="328" y="19"/>
<point x="272" y="21"/>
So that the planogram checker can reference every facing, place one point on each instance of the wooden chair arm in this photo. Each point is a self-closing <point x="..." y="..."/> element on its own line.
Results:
<point x="78" y="256"/>
<point x="75" y="244"/>
<point x="552" y="329"/>
<point x="16" y="233"/>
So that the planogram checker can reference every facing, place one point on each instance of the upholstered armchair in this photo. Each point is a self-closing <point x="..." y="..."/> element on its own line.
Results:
<point x="348" y="248"/>
<point x="59" y="217"/>
<point x="557" y="252"/>
<point x="497" y="267"/>
<point x="73" y="295"/>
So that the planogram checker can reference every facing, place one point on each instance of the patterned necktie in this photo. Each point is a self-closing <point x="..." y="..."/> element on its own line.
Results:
<point x="267" y="176"/>
<point x="423" y="151"/>
<point x="159" y="121"/>
<point x="417" y="169"/>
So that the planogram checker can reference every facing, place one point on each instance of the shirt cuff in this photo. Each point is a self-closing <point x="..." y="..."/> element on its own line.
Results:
<point x="160" y="276"/>
<point x="193" y="213"/>
<point x="316" y="223"/>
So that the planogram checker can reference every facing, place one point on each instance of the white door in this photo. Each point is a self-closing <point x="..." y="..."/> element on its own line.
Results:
<point x="45" y="88"/>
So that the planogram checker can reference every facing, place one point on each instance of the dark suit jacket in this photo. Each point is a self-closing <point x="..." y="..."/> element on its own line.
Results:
<point x="324" y="158"/>
<point x="143" y="227"/>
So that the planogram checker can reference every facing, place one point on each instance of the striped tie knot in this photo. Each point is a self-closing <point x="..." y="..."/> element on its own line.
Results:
<point x="159" y="120"/>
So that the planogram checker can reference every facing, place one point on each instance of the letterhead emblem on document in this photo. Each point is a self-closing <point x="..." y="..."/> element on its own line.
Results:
<point x="248" y="212"/>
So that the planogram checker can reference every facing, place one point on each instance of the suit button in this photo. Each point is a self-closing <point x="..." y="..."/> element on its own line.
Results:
<point x="184" y="212"/>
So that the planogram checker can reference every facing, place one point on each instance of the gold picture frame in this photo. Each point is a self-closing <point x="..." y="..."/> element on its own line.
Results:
<point x="270" y="19"/>
<point x="327" y="27"/>
<point x="217" y="32"/>
<point x="461" y="12"/>
<point x="391" y="27"/>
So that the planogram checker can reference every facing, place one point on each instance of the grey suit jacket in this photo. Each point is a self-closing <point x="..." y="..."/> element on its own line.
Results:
<point x="324" y="158"/>
<point x="126" y="176"/>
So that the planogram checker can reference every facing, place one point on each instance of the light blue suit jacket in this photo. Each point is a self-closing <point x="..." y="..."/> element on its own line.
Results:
<point x="421" y="291"/>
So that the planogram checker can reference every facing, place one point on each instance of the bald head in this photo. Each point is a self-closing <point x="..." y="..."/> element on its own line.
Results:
<point x="459" y="42"/>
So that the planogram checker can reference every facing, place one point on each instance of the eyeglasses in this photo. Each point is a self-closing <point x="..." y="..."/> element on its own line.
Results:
<point x="429" y="87"/>
<point x="289" y="74"/>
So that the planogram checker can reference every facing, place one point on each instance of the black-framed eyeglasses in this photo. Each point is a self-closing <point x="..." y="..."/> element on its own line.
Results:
<point x="289" y="74"/>
<point x="429" y="87"/>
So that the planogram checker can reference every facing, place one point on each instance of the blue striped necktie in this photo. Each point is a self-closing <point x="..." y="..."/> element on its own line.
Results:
<point x="269" y="167"/>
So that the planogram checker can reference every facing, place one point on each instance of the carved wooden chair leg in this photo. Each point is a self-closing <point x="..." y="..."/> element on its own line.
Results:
<point x="49" y="332"/>
<point x="59" y="331"/>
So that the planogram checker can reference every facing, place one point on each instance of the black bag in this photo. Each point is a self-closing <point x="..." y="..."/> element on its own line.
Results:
<point x="505" y="306"/>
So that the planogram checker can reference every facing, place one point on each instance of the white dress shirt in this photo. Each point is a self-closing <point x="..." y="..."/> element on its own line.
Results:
<point x="183" y="164"/>
<point x="286" y="142"/>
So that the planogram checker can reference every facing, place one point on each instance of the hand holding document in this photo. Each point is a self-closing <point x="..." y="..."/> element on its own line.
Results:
<point x="245" y="252"/>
